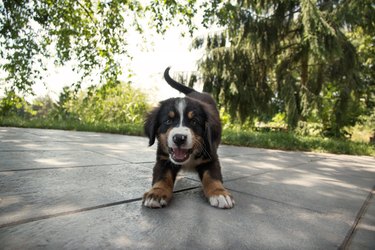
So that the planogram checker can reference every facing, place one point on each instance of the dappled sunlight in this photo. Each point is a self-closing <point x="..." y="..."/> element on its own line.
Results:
<point x="9" y="201"/>
<point x="31" y="146"/>
<point x="256" y="166"/>
<point x="256" y="163"/>
<point x="310" y="180"/>
<point x="53" y="162"/>
<point x="7" y="174"/>
<point x="336" y="188"/>
<point x="69" y="206"/>
<point x="15" y="208"/>
<point x="17" y="215"/>
<point x="255" y="209"/>
<point x="301" y="182"/>
<point x="125" y="241"/>
<point x="368" y="227"/>
<point x="326" y="169"/>
<point x="353" y="166"/>
<point x="107" y="146"/>
<point x="268" y="166"/>
<point x="92" y="190"/>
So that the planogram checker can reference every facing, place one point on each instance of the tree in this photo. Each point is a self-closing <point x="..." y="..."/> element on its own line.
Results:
<point x="284" y="56"/>
<point x="287" y="56"/>
<point x="93" y="33"/>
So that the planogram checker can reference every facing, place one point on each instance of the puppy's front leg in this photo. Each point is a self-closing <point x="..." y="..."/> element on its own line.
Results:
<point x="213" y="187"/>
<point x="162" y="185"/>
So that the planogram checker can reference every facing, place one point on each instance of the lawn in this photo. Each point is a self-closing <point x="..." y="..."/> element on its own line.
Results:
<point x="271" y="140"/>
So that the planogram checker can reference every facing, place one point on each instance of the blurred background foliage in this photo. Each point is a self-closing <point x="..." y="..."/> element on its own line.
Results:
<point x="310" y="62"/>
<point x="304" y="66"/>
<point x="115" y="104"/>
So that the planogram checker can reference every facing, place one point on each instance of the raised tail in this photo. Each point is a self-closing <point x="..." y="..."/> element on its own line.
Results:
<point x="176" y="85"/>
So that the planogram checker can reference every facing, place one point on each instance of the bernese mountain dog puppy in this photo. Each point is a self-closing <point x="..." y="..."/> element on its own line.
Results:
<point x="188" y="131"/>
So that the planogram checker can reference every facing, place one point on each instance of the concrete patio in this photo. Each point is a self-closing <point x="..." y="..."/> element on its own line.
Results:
<point x="80" y="190"/>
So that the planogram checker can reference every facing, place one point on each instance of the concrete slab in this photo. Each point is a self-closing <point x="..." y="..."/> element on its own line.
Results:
<point x="74" y="190"/>
<point x="188" y="223"/>
<point x="364" y="233"/>
<point x="28" y="160"/>
<point x="260" y="163"/>
<point x="124" y="148"/>
<point x="29" y="195"/>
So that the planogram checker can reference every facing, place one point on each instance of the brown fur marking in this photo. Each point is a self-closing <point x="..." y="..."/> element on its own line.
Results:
<point x="163" y="140"/>
<point x="190" y="114"/>
<point x="162" y="189"/>
<point x="212" y="187"/>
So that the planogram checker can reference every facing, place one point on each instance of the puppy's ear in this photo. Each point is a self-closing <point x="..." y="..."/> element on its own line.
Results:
<point x="151" y="125"/>
<point x="212" y="135"/>
<point x="208" y="138"/>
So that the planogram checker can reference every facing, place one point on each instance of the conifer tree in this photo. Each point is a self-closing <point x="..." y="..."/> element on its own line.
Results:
<point x="287" y="56"/>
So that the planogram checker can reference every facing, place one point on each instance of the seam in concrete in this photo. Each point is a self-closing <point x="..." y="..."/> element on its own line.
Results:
<point x="34" y="141"/>
<point x="38" y="218"/>
<point x="224" y="181"/>
<point x="57" y="168"/>
<point x="259" y="197"/>
<point x="362" y="211"/>
<point x="142" y="162"/>
<point x="276" y="201"/>
<point x="110" y="156"/>
<point x="49" y="216"/>
<point x="186" y="189"/>
<point x="37" y="150"/>
<point x="238" y="178"/>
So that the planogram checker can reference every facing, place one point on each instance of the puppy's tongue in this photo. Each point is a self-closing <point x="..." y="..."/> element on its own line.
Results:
<point x="180" y="154"/>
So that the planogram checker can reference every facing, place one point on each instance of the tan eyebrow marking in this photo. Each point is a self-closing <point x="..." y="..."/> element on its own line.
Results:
<point x="190" y="114"/>
<point x="171" y="114"/>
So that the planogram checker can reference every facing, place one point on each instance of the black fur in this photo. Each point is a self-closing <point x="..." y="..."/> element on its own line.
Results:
<point x="201" y="117"/>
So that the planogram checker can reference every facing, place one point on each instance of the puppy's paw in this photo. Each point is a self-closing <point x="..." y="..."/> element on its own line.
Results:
<point x="156" y="198"/>
<point x="221" y="201"/>
<point x="154" y="202"/>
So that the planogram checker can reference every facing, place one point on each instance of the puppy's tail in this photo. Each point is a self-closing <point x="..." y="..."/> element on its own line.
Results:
<point x="176" y="85"/>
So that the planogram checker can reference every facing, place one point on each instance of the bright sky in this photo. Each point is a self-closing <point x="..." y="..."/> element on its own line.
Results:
<point x="148" y="65"/>
<point x="150" y="58"/>
<point x="169" y="50"/>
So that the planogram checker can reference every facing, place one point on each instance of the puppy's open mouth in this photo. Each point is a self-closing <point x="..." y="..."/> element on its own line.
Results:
<point x="180" y="154"/>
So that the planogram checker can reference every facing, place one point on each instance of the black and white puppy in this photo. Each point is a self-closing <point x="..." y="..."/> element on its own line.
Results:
<point x="188" y="131"/>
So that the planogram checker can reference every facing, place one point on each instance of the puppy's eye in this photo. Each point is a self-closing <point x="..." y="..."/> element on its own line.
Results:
<point x="168" y="122"/>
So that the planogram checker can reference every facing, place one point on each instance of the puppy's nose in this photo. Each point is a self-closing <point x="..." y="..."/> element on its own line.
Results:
<point x="179" y="139"/>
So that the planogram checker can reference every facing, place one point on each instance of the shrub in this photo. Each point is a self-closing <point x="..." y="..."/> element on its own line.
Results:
<point x="12" y="104"/>
<point x="116" y="104"/>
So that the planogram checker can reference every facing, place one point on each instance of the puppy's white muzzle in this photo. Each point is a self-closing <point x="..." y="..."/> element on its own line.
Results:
<point x="180" y="144"/>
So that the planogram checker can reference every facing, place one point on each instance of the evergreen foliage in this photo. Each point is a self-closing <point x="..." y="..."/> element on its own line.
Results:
<point x="290" y="56"/>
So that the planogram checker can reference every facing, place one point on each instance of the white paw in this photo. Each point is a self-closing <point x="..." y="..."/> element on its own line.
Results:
<point x="221" y="201"/>
<point x="154" y="203"/>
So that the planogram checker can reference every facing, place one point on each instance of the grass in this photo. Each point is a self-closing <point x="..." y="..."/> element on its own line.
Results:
<point x="290" y="141"/>
<point x="271" y="140"/>
<point x="115" y="128"/>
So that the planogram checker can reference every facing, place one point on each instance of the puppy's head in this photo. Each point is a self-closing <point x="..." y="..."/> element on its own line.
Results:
<point x="184" y="128"/>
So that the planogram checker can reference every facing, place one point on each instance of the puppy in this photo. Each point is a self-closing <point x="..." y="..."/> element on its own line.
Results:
<point x="188" y="131"/>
